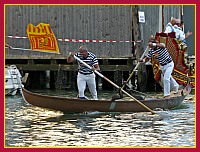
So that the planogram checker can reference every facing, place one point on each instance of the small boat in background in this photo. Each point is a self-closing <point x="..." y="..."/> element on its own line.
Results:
<point x="13" y="80"/>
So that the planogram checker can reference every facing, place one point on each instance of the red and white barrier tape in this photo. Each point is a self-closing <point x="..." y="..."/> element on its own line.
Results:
<point x="75" y="40"/>
<point x="17" y="37"/>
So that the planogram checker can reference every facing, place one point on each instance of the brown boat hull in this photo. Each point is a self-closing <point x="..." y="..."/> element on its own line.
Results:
<point x="69" y="105"/>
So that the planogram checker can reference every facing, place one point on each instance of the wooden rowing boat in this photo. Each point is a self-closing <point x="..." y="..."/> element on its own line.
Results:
<point x="69" y="105"/>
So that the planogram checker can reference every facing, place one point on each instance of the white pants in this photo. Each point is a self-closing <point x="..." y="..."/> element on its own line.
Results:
<point x="89" y="79"/>
<point x="168" y="80"/>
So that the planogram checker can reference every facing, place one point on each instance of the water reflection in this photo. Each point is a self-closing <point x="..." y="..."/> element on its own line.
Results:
<point x="27" y="125"/>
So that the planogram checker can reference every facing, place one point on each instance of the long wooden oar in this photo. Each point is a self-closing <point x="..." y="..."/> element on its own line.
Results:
<point x="130" y="76"/>
<point x="85" y="64"/>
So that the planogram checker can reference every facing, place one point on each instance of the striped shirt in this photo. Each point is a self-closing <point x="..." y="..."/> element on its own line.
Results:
<point x="161" y="54"/>
<point x="91" y="60"/>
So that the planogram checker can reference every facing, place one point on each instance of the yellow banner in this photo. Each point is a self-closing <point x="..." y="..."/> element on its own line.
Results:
<point x="42" y="38"/>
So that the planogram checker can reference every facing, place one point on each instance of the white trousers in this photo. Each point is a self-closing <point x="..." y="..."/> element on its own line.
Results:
<point x="89" y="79"/>
<point x="169" y="83"/>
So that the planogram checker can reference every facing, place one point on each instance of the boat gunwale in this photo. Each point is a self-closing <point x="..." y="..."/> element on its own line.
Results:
<point x="101" y="100"/>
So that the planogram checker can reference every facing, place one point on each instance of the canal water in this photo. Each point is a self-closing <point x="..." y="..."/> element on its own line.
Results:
<point x="29" y="126"/>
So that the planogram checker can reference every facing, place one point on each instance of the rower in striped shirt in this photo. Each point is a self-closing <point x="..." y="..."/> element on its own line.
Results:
<point x="85" y="75"/>
<point x="159" y="51"/>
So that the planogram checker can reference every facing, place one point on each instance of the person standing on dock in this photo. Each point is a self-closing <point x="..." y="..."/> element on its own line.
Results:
<point x="166" y="64"/>
<point x="85" y="75"/>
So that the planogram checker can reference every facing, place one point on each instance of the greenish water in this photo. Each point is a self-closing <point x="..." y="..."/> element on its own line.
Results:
<point x="27" y="126"/>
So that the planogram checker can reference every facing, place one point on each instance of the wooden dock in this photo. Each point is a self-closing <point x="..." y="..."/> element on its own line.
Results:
<point x="57" y="73"/>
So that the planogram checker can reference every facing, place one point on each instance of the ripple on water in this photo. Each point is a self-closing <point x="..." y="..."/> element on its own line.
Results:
<point x="27" y="125"/>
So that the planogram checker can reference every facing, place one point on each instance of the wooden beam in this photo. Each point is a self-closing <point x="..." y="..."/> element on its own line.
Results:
<point x="142" y="81"/>
<point x="73" y="67"/>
